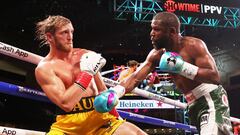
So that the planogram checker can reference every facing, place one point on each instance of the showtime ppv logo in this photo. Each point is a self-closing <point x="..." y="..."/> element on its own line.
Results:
<point x="172" y="6"/>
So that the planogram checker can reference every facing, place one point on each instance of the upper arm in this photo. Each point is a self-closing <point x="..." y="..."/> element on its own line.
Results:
<point x="207" y="71"/>
<point x="143" y="71"/>
<point x="50" y="83"/>
<point x="202" y="57"/>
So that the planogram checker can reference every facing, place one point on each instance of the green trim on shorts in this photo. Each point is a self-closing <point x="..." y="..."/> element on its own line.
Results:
<point x="222" y="109"/>
<point x="201" y="107"/>
<point x="196" y="110"/>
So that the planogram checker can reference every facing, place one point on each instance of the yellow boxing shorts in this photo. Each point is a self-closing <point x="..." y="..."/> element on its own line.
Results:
<point x="84" y="120"/>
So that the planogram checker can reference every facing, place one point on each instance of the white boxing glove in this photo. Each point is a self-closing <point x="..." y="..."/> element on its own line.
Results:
<point x="90" y="64"/>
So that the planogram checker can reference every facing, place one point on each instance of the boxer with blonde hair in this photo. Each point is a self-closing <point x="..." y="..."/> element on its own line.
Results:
<point x="70" y="78"/>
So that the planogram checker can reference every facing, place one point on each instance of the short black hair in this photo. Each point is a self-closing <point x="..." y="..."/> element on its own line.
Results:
<point x="168" y="20"/>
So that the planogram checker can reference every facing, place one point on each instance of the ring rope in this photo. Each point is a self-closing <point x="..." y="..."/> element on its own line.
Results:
<point x="18" y="131"/>
<point x="110" y="71"/>
<point x="20" y="91"/>
<point x="35" y="59"/>
<point x="156" y="121"/>
<point x="19" y="53"/>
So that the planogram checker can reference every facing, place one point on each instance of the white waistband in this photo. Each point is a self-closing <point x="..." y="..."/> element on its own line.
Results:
<point x="199" y="91"/>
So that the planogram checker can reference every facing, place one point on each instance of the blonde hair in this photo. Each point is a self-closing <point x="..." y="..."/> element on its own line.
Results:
<point x="50" y="24"/>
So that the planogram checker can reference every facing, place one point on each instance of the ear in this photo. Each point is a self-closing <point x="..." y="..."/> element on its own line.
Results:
<point x="49" y="37"/>
<point x="173" y="30"/>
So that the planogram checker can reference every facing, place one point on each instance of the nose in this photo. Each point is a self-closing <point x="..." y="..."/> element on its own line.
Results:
<point x="70" y="36"/>
<point x="152" y="33"/>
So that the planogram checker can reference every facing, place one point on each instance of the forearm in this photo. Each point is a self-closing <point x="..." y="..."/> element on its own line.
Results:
<point x="73" y="94"/>
<point x="71" y="97"/>
<point x="207" y="76"/>
<point x="136" y="78"/>
<point x="99" y="82"/>
<point x="109" y="98"/>
<point x="130" y="83"/>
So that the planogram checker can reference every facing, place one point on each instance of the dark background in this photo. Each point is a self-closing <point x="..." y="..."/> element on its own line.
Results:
<point x="95" y="29"/>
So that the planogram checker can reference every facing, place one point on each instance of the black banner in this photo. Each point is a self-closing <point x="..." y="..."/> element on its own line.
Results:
<point x="200" y="8"/>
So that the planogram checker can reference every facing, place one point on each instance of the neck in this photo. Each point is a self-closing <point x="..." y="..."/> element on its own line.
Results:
<point x="58" y="54"/>
<point x="175" y="44"/>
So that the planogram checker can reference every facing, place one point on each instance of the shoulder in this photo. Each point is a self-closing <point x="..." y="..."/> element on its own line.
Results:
<point x="80" y="51"/>
<point x="43" y="66"/>
<point x="195" y="46"/>
<point x="155" y="52"/>
<point x="154" y="56"/>
<point x="193" y="43"/>
<point x="43" y="71"/>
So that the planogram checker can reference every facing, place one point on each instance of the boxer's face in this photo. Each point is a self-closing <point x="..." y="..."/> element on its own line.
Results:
<point x="63" y="38"/>
<point x="159" y="34"/>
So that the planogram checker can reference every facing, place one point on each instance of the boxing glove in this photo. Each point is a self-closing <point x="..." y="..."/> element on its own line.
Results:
<point x="173" y="62"/>
<point x="108" y="99"/>
<point x="90" y="64"/>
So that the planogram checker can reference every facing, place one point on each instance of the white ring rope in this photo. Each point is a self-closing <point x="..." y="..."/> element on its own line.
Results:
<point x="18" y="131"/>
<point x="35" y="59"/>
<point x="19" y="53"/>
<point x="110" y="71"/>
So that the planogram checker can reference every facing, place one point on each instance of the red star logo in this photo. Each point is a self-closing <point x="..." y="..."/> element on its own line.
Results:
<point x="159" y="103"/>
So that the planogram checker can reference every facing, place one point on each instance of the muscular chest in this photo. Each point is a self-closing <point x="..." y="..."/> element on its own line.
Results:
<point x="186" y="57"/>
<point x="67" y="71"/>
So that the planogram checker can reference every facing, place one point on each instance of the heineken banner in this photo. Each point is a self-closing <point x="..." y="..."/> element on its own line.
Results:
<point x="143" y="104"/>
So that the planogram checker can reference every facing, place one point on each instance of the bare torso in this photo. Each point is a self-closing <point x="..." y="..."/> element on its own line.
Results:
<point x="68" y="70"/>
<point x="189" y="50"/>
<point x="184" y="84"/>
<point x="194" y="51"/>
